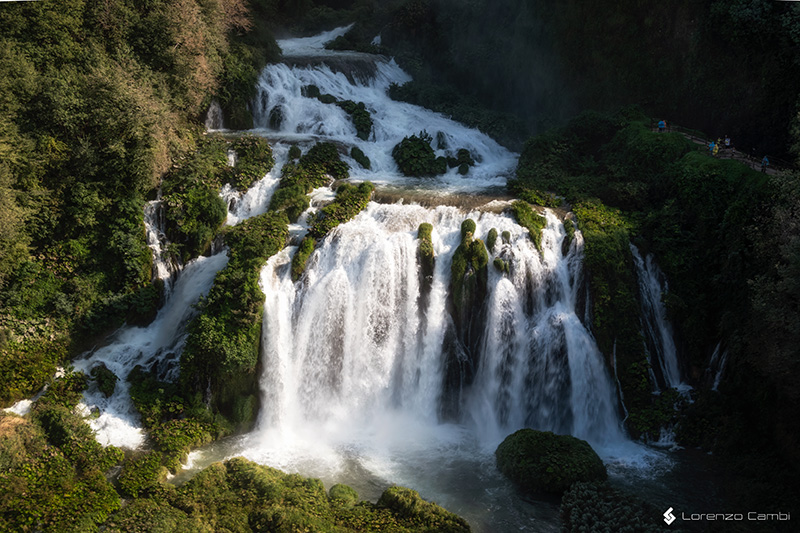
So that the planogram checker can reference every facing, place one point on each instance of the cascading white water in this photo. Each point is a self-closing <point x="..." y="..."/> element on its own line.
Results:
<point x="304" y="119"/>
<point x="214" y="120"/>
<point x="349" y="365"/>
<point x="658" y="331"/>
<point x="159" y="345"/>
<point x="164" y="268"/>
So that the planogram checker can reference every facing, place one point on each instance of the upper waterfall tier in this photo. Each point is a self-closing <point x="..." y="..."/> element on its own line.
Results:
<point x="283" y="112"/>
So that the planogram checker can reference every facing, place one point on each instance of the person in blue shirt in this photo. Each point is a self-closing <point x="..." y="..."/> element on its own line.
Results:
<point x="764" y="164"/>
<point x="662" y="125"/>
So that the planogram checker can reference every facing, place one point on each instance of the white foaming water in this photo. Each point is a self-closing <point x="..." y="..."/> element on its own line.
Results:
<point x="158" y="345"/>
<point x="163" y="267"/>
<point x="214" y="117"/>
<point x="305" y="120"/>
<point x="658" y="331"/>
<point x="353" y="368"/>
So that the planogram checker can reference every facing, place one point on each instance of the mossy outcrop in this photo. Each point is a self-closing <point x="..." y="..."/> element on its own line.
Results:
<point x="360" y="157"/>
<point x="317" y="168"/>
<point x="542" y="462"/>
<point x="361" y="117"/>
<point x="304" y="251"/>
<point x="468" y="288"/>
<point x="415" y="157"/>
<point x="350" y="200"/>
<point x="239" y="495"/>
<point x="530" y="220"/>
<point x="222" y="350"/>
<point x="426" y="260"/>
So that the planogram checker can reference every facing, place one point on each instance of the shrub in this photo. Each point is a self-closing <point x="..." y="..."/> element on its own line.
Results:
<point x="343" y="495"/>
<point x="360" y="157"/>
<point x="350" y="200"/>
<point x="301" y="256"/>
<point x="543" y="462"/>
<point x="140" y="473"/>
<point x="491" y="239"/>
<point x="598" y="507"/>
<point x="530" y="220"/>
<point x="106" y="380"/>
<point x="415" y="157"/>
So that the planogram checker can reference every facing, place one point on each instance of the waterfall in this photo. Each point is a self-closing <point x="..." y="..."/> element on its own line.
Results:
<point x="659" y="342"/>
<point x="164" y="267"/>
<point x="214" y="117"/>
<point x="281" y="109"/>
<point x="345" y="352"/>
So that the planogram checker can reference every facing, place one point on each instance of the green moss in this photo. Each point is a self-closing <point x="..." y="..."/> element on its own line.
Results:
<point x="543" y="462"/>
<point x="468" y="227"/>
<point x="360" y="116"/>
<point x="506" y="237"/>
<point x="598" y="507"/>
<point x="313" y="170"/>
<point x="175" y="438"/>
<point x="106" y="380"/>
<point x="500" y="265"/>
<point x="141" y="473"/>
<point x="360" y="157"/>
<point x="254" y="160"/>
<point x="295" y="152"/>
<point x="491" y="239"/>
<point x="343" y="495"/>
<point x="350" y="200"/>
<point x="408" y="504"/>
<point x="425" y="252"/>
<point x="301" y="256"/>
<point x="222" y="348"/>
<point x="529" y="219"/>
<point x="415" y="157"/>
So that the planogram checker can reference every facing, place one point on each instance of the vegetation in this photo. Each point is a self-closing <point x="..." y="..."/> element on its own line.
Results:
<point x="304" y="251"/>
<point x="221" y="353"/>
<point x="53" y="473"/>
<point x="530" y="220"/>
<point x="362" y="120"/>
<point x="350" y="200"/>
<point x="316" y="168"/>
<point x="598" y="507"/>
<point x="415" y="157"/>
<point x="543" y="462"/>
<point x="360" y="157"/>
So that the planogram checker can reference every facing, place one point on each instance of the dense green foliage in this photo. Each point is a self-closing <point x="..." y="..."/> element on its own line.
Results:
<point x="530" y="220"/>
<point x="543" y="462"/>
<point x="304" y="251"/>
<point x="221" y="353"/>
<point x="52" y="470"/>
<point x="241" y="496"/>
<point x="350" y="200"/>
<point x="725" y="237"/>
<point x="468" y="269"/>
<point x="360" y="157"/>
<point x="415" y="157"/>
<point x="98" y="100"/>
<point x="598" y="507"/>
<point x="314" y="169"/>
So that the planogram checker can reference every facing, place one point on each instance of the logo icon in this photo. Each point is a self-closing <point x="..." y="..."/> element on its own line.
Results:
<point x="669" y="517"/>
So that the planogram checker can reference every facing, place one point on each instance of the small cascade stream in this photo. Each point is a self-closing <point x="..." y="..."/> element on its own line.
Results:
<point x="657" y="330"/>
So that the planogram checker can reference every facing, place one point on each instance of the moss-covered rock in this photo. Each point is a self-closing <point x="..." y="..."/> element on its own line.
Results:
<point x="408" y="504"/>
<point x="106" y="380"/>
<point x="343" y="495"/>
<point x="491" y="239"/>
<point x="506" y="237"/>
<point x="317" y="168"/>
<point x="529" y="219"/>
<point x="295" y="152"/>
<point x="360" y="157"/>
<point x="425" y="254"/>
<point x="500" y="265"/>
<point x="301" y="256"/>
<point x="222" y="348"/>
<point x="360" y="116"/>
<point x="543" y="462"/>
<point x="415" y="157"/>
<point x="349" y="201"/>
